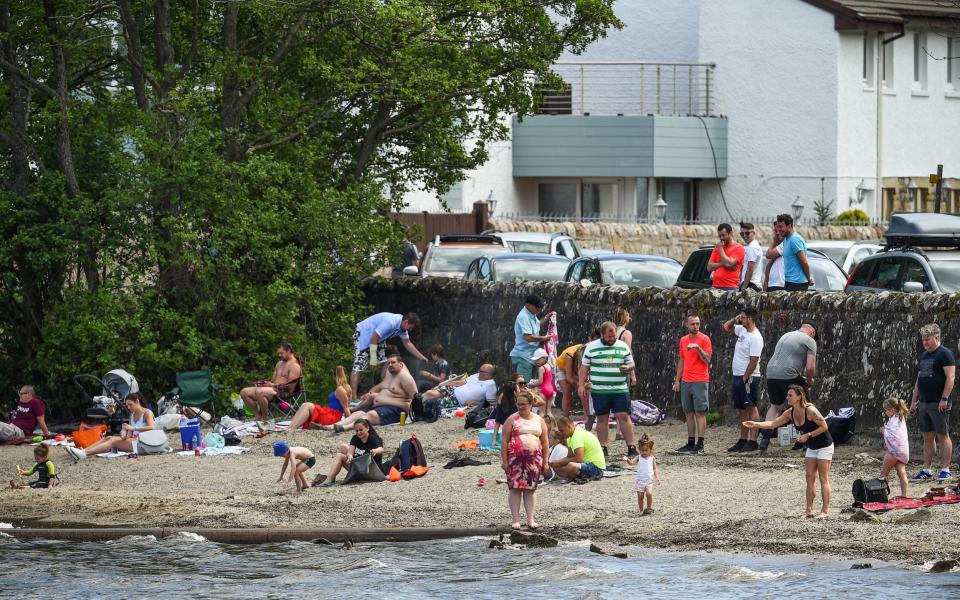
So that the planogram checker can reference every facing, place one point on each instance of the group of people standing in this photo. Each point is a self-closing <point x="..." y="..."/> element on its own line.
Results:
<point x="738" y="267"/>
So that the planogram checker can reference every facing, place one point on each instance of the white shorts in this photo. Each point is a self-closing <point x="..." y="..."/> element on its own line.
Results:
<point x="644" y="485"/>
<point x="560" y="374"/>
<point x="821" y="454"/>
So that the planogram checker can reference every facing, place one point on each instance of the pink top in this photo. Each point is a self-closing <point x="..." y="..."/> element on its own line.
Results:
<point x="546" y="387"/>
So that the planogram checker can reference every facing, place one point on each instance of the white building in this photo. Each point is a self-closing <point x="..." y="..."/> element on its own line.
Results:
<point x="768" y="100"/>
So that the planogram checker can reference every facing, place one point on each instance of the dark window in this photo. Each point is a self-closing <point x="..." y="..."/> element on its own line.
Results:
<point x="861" y="274"/>
<point x="484" y="268"/>
<point x="886" y="273"/>
<point x="592" y="272"/>
<point x="915" y="272"/>
<point x="471" y="271"/>
<point x="576" y="272"/>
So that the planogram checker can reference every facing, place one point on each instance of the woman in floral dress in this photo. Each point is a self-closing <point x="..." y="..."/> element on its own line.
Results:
<point x="524" y="455"/>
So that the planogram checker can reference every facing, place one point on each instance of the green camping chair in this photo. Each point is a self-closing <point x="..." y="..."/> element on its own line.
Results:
<point x="194" y="390"/>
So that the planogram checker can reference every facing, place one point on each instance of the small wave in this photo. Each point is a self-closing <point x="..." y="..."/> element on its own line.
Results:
<point x="739" y="574"/>
<point x="133" y="539"/>
<point x="188" y="535"/>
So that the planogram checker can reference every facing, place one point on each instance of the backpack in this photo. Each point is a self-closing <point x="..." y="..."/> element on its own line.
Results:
<point x="843" y="426"/>
<point x="477" y="418"/>
<point x="425" y="411"/>
<point x="870" y="490"/>
<point x="408" y="455"/>
<point x="153" y="441"/>
<point x="645" y="413"/>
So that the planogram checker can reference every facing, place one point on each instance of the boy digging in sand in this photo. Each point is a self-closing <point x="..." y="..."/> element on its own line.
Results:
<point x="299" y="458"/>
<point x="647" y="472"/>
<point x="43" y="468"/>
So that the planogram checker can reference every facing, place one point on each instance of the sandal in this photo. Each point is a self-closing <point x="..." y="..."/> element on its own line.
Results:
<point x="337" y="428"/>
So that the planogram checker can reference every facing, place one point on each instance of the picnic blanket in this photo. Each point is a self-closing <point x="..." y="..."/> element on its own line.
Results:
<point x="211" y="451"/>
<point x="900" y="502"/>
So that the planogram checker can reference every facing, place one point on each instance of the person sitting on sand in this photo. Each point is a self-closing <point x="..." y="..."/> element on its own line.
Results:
<point x="585" y="457"/>
<point x="365" y="440"/>
<point x="815" y="435"/>
<point x="44" y="468"/>
<point x="385" y="401"/>
<point x="300" y="459"/>
<point x="141" y="419"/>
<point x="478" y="388"/>
<point x="317" y="415"/>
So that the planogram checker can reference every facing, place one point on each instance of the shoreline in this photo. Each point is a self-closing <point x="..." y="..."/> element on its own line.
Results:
<point x="743" y="503"/>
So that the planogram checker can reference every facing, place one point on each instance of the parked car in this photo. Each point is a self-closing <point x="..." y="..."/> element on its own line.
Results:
<point x="558" y="244"/>
<point x="636" y="270"/>
<point x="904" y="266"/>
<point x="846" y="253"/>
<point x="827" y="276"/>
<point x="518" y="266"/>
<point x="449" y="255"/>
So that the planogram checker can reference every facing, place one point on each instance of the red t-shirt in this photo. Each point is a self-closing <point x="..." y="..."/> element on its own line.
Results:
<point x="25" y="415"/>
<point x="694" y="368"/>
<point x="724" y="277"/>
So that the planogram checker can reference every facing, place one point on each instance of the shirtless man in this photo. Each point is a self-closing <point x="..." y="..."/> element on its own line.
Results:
<point x="257" y="397"/>
<point x="385" y="401"/>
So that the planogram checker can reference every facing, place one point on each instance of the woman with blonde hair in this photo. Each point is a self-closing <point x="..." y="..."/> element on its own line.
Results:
<point x="621" y="318"/>
<point x="338" y="406"/>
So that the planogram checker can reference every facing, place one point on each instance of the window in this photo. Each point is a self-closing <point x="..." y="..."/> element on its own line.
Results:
<point x="600" y="199"/>
<point x="555" y="102"/>
<point x="558" y="198"/>
<point x="869" y="64"/>
<point x="484" y="268"/>
<point x="953" y="62"/>
<point x="887" y="273"/>
<point x="592" y="272"/>
<point x="920" y="61"/>
<point x="887" y="50"/>
<point x="915" y="272"/>
<point x="576" y="271"/>
<point x="565" y="248"/>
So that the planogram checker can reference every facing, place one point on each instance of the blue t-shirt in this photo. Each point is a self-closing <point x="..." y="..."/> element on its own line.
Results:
<point x="527" y="323"/>
<point x="386" y="325"/>
<point x="792" y="271"/>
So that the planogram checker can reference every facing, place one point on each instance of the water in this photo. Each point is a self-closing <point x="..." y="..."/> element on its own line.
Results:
<point x="188" y="566"/>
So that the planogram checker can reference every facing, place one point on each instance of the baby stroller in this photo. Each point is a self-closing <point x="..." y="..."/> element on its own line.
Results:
<point x="108" y="407"/>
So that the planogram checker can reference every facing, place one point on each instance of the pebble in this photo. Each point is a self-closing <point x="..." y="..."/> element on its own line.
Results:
<point x="862" y="515"/>
<point x="598" y="550"/>
<point x="916" y="516"/>
<point x="944" y="566"/>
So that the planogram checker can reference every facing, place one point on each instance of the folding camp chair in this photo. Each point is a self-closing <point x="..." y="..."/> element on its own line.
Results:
<point x="290" y="396"/>
<point x="194" y="390"/>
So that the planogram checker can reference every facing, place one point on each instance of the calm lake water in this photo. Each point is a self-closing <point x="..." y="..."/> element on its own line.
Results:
<point x="186" y="566"/>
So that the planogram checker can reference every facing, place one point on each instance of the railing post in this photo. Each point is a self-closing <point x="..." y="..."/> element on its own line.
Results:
<point x="658" y="89"/>
<point x="582" y="90"/>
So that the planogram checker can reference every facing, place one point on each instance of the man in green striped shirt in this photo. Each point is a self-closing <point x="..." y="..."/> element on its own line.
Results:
<point x="605" y="372"/>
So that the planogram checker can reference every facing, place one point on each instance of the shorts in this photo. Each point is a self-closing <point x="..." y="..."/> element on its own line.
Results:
<point x="775" y="288"/>
<point x="39" y="485"/>
<point x="777" y="389"/>
<point x="560" y="374"/>
<point x="590" y="470"/>
<point x="796" y="287"/>
<point x="644" y="485"/>
<point x="323" y="415"/>
<point x="693" y="396"/>
<point x="931" y="419"/>
<point x="604" y="404"/>
<point x="310" y="462"/>
<point x="9" y="431"/>
<point x="389" y="415"/>
<point x="361" y="358"/>
<point x="821" y="454"/>
<point x="522" y="366"/>
<point x="744" y="396"/>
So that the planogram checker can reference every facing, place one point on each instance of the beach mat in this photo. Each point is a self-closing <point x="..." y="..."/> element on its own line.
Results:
<point x="899" y="502"/>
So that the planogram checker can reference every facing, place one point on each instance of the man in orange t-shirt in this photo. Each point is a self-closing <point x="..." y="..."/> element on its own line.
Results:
<point x="726" y="260"/>
<point x="693" y="381"/>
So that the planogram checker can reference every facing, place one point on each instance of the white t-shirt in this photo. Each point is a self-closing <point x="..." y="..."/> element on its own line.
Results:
<point x="749" y="343"/>
<point x="777" y="274"/>
<point x="645" y="468"/>
<point x="753" y="254"/>
<point x="558" y="452"/>
<point x="474" y="390"/>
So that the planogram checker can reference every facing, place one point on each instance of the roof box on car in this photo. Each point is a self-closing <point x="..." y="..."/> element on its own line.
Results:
<point x="923" y="229"/>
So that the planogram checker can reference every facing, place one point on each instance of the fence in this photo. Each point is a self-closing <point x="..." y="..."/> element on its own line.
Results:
<point x="430" y="225"/>
<point x="551" y="217"/>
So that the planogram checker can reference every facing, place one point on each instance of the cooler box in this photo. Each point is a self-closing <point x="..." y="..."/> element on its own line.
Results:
<point x="190" y="433"/>
<point x="486" y="438"/>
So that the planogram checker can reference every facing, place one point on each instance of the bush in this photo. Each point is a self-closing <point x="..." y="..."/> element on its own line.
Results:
<point x="852" y="217"/>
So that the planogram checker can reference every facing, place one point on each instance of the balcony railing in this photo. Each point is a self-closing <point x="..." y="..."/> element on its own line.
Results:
<point x="608" y="88"/>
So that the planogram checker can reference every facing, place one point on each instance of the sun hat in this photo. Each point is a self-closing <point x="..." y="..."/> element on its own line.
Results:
<point x="280" y="448"/>
<point x="539" y="353"/>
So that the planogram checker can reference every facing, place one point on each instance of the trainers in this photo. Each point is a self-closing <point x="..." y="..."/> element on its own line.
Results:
<point x="76" y="453"/>
<point x="764" y="443"/>
<point x="750" y="446"/>
<point x="699" y="450"/>
<point x="923" y="475"/>
<point x="686" y="449"/>
<point x="943" y="476"/>
<point x="738" y="446"/>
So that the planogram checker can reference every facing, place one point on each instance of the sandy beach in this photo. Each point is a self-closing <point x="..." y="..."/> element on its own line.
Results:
<point x="745" y="503"/>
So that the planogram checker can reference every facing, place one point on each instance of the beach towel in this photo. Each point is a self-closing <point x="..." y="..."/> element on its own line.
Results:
<point x="896" y="439"/>
<point x="551" y="344"/>
<point x="899" y="502"/>
<point x="208" y="451"/>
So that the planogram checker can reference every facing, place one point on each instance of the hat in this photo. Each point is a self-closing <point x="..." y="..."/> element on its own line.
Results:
<point x="280" y="448"/>
<point x="539" y="353"/>
<point x="536" y="301"/>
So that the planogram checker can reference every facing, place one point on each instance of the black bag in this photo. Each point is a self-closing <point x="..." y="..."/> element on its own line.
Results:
<point x="409" y="454"/>
<point x="424" y="411"/>
<point x="842" y="428"/>
<point x="477" y="418"/>
<point x="870" y="490"/>
<point x="364" y="468"/>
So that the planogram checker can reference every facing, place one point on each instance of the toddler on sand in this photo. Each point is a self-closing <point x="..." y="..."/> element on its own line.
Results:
<point x="43" y="468"/>
<point x="896" y="441"/>
<point x="647" y="472"/>
<point x="299" y="458"/>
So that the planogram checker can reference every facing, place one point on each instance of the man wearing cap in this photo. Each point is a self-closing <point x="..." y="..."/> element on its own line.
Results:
<point x="527" y="338"/>
<point x="794" y="362"/>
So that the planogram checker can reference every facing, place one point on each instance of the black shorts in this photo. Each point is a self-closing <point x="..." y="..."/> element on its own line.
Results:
<point x="777" y="389"/>
<point x="604" y="404"/>
<point x="745" y="396"/>
<point x="796" y="287"/>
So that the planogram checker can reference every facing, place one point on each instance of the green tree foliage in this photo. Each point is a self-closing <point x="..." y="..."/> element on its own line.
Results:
<point x="185" y="183"/>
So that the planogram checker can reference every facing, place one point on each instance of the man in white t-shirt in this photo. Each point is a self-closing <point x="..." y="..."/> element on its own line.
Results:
<point x="746" y="375"/>
<point x="776" y="274"/>
<point x="475" y="389"/>
<point x="751" y="275"/>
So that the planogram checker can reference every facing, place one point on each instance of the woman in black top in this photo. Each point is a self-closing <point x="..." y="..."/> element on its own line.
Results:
<point x="507" y="402"/>
<point x="816" y="437"/>
<point x="364" y="441"/>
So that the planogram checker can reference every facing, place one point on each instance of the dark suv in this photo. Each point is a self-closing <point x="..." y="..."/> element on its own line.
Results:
<point x="903" y="265"/>
<point x="827" y="276"/>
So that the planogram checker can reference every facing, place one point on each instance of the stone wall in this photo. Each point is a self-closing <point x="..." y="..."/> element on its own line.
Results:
<point x="676" y="241"/>
<point x="868" y="342"/>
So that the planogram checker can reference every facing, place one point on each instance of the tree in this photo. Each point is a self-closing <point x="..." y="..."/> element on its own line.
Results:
<point x="220" y="174"/>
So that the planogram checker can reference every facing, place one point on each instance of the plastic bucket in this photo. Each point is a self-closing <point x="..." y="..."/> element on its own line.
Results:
<point x="785" y="435"/>
<point x="190" y="433"/>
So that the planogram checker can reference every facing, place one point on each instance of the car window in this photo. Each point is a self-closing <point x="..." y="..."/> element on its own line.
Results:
<point x="861" y="274"/>
<point x="886" y="273"/>
<point x="471" y="271"/>
<point x="576" y="271"/>
<point x="837" y="255"/>
<point x="915" y="272"/>
<point x="525" y="246"/>
<point x="859" y="254"/>
<point x="827" y="276"/>
<point x="947" y="273"/>
<point x="642" y="273"/>
<point x="530" y="270"/>
<point x="566" y="249"/>
<point x="695" y="269"/>
<point x="484" y="269"/>
<point x="454" y="259"/>
<point x="592" y="272"/>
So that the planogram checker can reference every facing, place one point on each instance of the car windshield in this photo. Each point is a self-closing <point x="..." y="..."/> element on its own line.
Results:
<point x="827" y="276"/>
<point x="837" y="255"/>
<point x="525" y="246"/>
<point x="947" y="273"/>
<point x="455" y="259"/>
<point x="641" y="273"/>
<point x="530" y="270"/>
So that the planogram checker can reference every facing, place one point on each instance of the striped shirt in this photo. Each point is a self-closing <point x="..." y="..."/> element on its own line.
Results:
<point x="603" y="364"/>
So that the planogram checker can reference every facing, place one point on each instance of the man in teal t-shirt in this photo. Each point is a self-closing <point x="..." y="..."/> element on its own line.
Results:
<point x="796" y="269"/>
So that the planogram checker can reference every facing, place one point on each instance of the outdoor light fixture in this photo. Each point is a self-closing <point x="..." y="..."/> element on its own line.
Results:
<point x="661" y="208"/>
<point x="862" y="188"/>
<point x="797" y="208"/>
<point x="912" y="188"/>
<point x="491" y="203"/>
